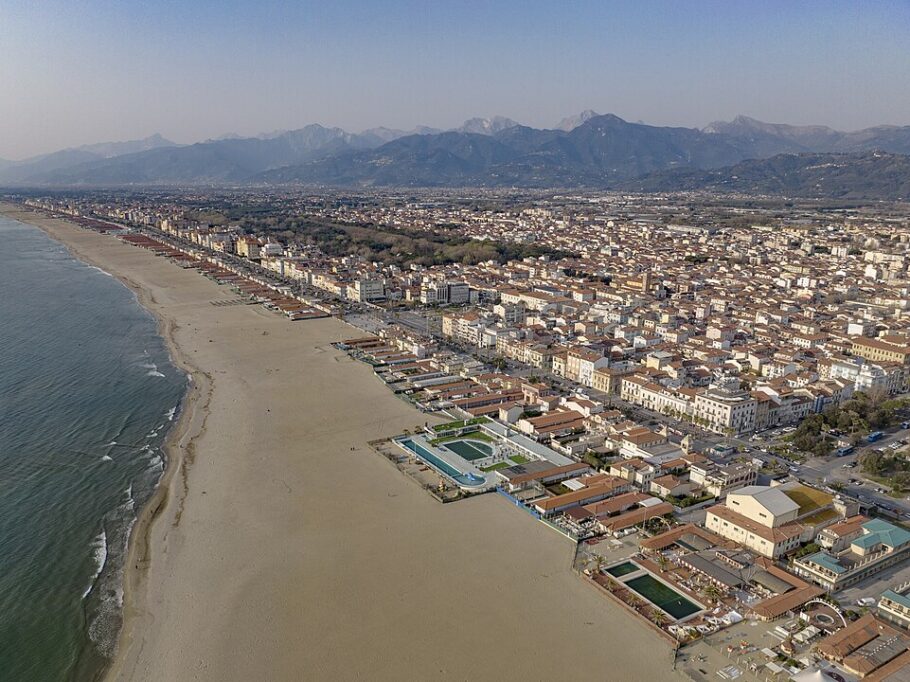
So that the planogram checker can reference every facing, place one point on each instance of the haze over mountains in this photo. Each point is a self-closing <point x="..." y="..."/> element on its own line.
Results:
<point x="588" y="150"/>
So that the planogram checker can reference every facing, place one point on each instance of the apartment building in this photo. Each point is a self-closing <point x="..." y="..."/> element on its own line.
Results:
<point x="720" y="480"/>
<point x="466" y="328"/>
<point x="875" y="546"/>
<point x="883" y="349"/>
<point x="725" y="410"/>
<point x="444" y="293"/>
<point x="364" y="290"/>
<point x="894" y="605"/>
<point x="609" y="379"/>
<point x="581" y="363"/>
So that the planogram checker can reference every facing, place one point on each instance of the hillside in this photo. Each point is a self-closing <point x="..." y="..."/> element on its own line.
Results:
<point x="585" y="151"/>
<point x="866" y="175"/>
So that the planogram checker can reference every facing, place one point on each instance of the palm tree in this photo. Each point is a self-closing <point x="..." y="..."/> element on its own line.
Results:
<point x="712" y="593"/>
<point x="662" y="562"/>
<point x="659" y="618"/>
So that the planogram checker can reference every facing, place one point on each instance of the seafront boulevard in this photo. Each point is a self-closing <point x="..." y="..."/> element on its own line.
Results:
<point x="283" y="549"/>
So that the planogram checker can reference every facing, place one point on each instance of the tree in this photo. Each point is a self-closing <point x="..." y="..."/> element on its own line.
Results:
<point x="659" y="618"/>
<point x="900" y="481"/>
<point x="712" y="592"/>
<point x="873" y="462"/>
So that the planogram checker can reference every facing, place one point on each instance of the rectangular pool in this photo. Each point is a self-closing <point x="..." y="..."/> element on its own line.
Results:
<point x="663" y="596"/>
<point x="622" y="569"/>
<point x="469" y="450"/>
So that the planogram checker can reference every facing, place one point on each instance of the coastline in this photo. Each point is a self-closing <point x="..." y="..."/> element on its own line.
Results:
<point x="317" y="486"/>
<point x="190" y="423"/>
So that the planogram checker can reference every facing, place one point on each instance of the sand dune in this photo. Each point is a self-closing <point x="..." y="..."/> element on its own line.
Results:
<point x="278" y="553"/>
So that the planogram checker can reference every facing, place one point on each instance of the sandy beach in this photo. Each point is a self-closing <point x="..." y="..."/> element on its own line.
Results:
<point x="273" y="551"/>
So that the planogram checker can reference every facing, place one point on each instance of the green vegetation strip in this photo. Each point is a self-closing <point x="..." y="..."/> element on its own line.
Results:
<point x="495" y="467"/>
<point x="473" y="435"/>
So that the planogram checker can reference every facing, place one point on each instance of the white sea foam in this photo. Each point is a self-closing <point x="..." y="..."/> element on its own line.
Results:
<point x="155" y="373"/>
<point x="99" y="554"/>
<point x="112" y="443"/>
<point x="103" y="272"/>
<point x="170" y="413"/>
<point x="107" y="458"/>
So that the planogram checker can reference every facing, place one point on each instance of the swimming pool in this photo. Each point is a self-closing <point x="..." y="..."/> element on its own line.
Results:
<point x="623" y="569"/>
<point x="468" y="480"/>
<point x="663" y="596"/>
<point x="469" y="449"/>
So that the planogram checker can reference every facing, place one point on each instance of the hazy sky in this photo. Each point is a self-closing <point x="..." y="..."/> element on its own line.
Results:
<point x="79" y="71"/>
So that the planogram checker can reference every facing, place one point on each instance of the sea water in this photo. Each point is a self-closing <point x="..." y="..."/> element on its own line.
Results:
<point x="87" y="396"/>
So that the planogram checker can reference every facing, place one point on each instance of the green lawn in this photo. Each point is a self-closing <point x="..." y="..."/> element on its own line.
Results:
<point x="477" y="435"/>
<point x="494" y="467"/>
<point x="519" y="459"/>
<point x="460" y="424"/>
<point x="448" y="425"/>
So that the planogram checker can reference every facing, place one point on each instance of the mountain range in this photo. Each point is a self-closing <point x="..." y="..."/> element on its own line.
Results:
<point x="588" y="150"/>
<point x="856" y="175"/>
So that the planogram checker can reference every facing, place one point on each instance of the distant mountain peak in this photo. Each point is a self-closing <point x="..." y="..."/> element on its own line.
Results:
<point x="570" y="123"/>
<point x="112" y="149"/>
<point x="597" y="151"/>
<point x="743" y="124"/>
<point x="383" y="134"/>
<point x="486" y="126"/>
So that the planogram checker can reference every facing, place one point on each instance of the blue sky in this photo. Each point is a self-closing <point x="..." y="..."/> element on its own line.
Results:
<point x="76" y="72"/>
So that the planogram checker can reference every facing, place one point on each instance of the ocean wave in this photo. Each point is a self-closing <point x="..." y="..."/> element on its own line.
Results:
<point x="107" y="458"/>
<point x="152" y="369"/>
<point x="103" y="272"/>
<point x="106" y="615"/>
<point x="170" y="413"/>
<point x="99" y="554"/>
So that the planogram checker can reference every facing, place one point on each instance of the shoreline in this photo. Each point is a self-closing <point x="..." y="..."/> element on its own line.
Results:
<point x="190" y="423"/>
<point x="218" y="597"/>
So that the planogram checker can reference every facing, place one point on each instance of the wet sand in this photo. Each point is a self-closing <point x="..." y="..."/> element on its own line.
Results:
<point x="272" y="551"/>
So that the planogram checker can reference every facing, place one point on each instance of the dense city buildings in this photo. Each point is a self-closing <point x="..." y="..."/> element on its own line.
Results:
<point x="717" y="389"/>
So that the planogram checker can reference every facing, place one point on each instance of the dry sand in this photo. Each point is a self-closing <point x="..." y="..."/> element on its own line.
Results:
<point x="275" y="552"/>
